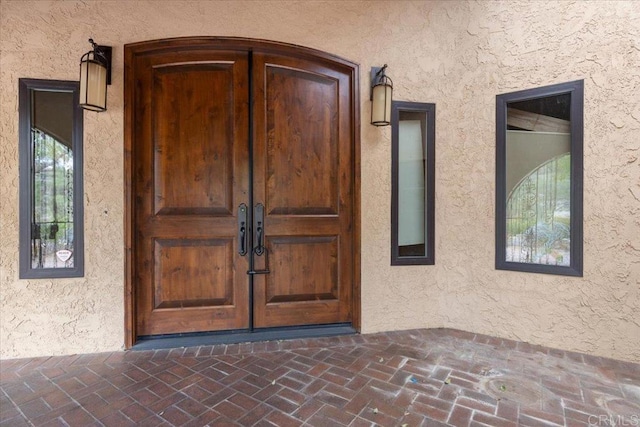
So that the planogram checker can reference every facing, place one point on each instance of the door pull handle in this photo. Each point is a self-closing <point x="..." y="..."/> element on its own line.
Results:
<point x="242" y="229"/>
<point x="259" y="227"/>
<point x="259" y="249"/>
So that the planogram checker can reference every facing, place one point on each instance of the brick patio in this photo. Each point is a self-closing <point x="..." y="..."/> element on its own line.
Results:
<point x="420" y="377"/>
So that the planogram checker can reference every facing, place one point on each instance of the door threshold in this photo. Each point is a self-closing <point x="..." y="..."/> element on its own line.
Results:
<point x="159" y="342"/>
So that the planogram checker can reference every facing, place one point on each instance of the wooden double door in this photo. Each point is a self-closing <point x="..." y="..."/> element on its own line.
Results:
<point x="242" y="160"/>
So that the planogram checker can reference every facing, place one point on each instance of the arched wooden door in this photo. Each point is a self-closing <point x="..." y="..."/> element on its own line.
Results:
<point x="242" y="186"/>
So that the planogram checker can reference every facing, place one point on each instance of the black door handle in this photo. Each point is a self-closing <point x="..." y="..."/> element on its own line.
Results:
<point x="242" y="229"/>
<point x="258" y="218"/>
<point x="259" y="248"/>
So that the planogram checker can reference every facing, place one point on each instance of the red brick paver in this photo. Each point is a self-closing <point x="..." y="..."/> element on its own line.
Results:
<point x="409" y="378"/>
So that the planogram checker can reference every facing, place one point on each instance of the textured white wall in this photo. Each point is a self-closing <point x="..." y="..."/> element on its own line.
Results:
<point x="456" y="54"/>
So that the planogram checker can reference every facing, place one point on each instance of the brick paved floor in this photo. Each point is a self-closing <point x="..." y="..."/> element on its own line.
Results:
<point x="419" y="377"/>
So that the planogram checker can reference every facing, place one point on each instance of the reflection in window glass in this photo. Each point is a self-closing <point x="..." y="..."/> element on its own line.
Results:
<point x="539" y="181"/>
<point x="411" y="181"/>
<point x="52" y="214"/>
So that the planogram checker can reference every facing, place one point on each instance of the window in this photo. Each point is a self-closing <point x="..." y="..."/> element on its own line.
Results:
<point x="413" y="130"/>
<point x="51" y="215"/>
<point x="539" y="180"/>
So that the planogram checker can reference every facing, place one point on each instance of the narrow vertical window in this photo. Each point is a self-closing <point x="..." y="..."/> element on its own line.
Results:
<point x="539" y="180"/>
<point x="413" y="186"/>
<point x="51" y="224"/>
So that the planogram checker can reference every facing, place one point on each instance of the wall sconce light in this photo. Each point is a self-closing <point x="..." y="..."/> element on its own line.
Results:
<point x="95" y="75"/>
<point x="381" y="96"/>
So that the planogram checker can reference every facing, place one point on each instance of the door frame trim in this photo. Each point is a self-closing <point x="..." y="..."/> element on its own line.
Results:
<point x="131" y="51"/>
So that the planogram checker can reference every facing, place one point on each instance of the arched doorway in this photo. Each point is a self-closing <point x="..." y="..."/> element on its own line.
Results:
<point x="242" y="187"/>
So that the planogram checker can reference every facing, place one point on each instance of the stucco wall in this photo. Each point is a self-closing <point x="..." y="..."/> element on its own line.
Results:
<point x="456" y="54"/>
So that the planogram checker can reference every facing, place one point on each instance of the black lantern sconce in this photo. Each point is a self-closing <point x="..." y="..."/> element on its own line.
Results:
<point x="95" y="75"/>
<point x="381" y="96"/>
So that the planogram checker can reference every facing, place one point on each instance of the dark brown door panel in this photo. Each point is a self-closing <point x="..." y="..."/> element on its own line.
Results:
<point x="191" y="142"/>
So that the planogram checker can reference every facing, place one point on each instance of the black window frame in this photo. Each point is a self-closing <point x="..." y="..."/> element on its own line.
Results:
<point x="26" y="87"/>
<point x="576" y="91"/>
<point x="429" y="109"/>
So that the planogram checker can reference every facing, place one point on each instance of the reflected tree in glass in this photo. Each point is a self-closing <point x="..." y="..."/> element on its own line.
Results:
<point x="52" y="215"/>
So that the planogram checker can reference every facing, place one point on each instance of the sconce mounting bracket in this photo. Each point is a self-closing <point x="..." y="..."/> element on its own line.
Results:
<point x="376" y="76"/>
<point x="107" y="51"/>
